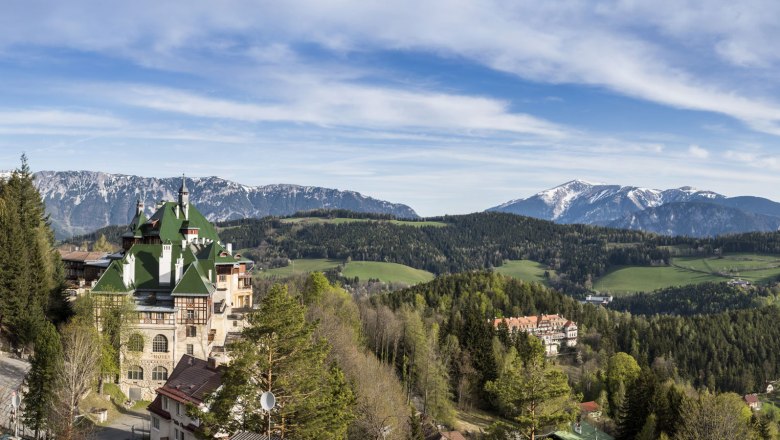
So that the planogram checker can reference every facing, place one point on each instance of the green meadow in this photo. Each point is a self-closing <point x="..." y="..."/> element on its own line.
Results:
<point x="365" y="270"/>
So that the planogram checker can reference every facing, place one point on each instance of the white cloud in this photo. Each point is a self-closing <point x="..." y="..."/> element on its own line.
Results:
<point x="573" y="42"/>
<point x="56" y="118"/>
<point x="350" y="105"/>
<point x="698" y="152"/>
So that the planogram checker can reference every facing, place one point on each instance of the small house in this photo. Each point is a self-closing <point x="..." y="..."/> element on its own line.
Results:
<point x="752" y="401"/>
<point x="590" y="409"/>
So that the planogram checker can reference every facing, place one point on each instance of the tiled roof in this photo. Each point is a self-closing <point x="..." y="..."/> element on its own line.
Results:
<point x="589" y="406"/>
<point x="167" y="225"/>
<point x="244" y="435"/>
<point x="82" y="256"/>
<point x="528" y="321"/>
<point x="111" y="280"/>
<point x="191" y="380"/>
<point x="751" y="398"/>
<point x="193" y="282"/>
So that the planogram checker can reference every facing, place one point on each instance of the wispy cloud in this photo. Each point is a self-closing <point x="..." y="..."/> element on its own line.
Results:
<point x="580" y="43"/>
<point x="698" y="152"/>
<point x="351" y="105"/>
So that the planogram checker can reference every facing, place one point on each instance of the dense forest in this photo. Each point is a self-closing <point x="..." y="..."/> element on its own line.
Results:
<point x="734" y="350"/>
<point x="695" y="299"/>
<point x="577" y="253"/>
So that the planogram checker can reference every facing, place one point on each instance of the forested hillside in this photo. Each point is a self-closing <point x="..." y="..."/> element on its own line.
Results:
<point x="577" y="254"/>
<point x="733" y="350"/>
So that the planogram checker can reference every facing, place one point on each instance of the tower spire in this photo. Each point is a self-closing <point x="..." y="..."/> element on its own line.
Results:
<point x="184" y="197"/>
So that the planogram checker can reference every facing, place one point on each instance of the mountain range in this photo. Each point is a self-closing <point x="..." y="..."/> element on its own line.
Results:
<point x="83" y="201"/>
<point x="679" y="211"/>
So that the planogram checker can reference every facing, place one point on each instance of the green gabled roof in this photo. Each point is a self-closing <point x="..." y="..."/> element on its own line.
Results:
<point x="165" y="224"/>
<point x="137" y="222"/>
<point x="111" y="281"/>
<point x="193" y="283"/>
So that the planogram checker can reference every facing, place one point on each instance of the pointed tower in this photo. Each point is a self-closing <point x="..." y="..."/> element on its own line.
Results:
<point x="184" y="197"/>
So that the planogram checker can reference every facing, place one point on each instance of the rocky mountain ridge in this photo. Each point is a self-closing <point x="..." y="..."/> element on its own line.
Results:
<point x="694" y="212"/>
<point x="83" y="201"/>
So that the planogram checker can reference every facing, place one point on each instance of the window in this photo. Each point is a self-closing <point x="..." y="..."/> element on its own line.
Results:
<point x="190" y="314"/>
<point x="190" y="300"/>
<point x="155" y="423"/>
<point x="160" y="373"/>
<point x="222" y="278"/>
<point x="192" y="331"/>
<point x="165" y="403"/>
<point x="190" y="349"/>
<point x="136" y="342"/>
<point x="160" y="344"/>
<point x="135" y="372"/>
<point x="235" y="323"/>
<point x="178" y="409"/>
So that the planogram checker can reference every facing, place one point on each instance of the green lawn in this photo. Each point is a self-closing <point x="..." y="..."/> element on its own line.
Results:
<point x="645" y="279"/>
<point x="301" y="266"/>
<point x="525" y="270"/>
<point x="386" y="272"/>
<point x="340" y="220"/>
<point x="363" y="269"/>
<point x="756" y="268"/>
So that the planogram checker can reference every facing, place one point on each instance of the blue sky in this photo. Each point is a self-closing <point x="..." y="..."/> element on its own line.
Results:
<point x="449" y="106"/>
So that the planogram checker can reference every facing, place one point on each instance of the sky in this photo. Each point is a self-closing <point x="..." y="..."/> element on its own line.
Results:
<point x="449" y="106"/>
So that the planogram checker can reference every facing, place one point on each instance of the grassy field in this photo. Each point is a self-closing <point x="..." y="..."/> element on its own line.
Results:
<point x="691" y="270"/>
<point x="301" y="266"/>
<point x="339" y="220"/>
<point x="525" y="270"/>
<point x="365" y="270"/>
<point x="386" y="272"/>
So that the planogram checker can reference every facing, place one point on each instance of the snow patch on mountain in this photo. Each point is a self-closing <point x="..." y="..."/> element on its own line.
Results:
<point x="82" y="201"/>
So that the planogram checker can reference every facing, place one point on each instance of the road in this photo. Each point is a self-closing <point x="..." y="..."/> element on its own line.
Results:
<point x="132" y="425"/>
<point x="12" y="373"/>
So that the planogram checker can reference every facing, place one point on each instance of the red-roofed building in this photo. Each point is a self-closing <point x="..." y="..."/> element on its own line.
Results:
<point x="590" y="409"/>
<point x="752" y="401"/>
<point x="189" y="383"/>
<point x="554" y="330"/>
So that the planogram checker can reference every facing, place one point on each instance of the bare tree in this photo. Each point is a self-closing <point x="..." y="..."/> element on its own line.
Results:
<point x="80" y="368"/>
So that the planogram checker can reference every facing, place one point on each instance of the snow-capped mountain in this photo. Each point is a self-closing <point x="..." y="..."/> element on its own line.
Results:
<point x="696" y="219"/>
<point x="632" y="207"/>
<point x="82" y="201"/>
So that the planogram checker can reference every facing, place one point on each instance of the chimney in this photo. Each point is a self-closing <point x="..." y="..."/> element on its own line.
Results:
<point x="213" y="363"/>
<point x="139" y="207"/>
<point x="165" y="265"/>
<point x="128" y="271"/>
<point x="176" y="210"/>
<point x="230" y="248"/>
<point x="183" y="245"/>
<point x="179" y="270"/>
<point x="209" y="274"/>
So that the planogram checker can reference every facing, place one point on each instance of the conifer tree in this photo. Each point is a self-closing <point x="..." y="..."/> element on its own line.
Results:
<point x="45" y="365"/>
<point x="534" y="394"/>
<point x="277" y="353"/>
<point x="32" y="277"/>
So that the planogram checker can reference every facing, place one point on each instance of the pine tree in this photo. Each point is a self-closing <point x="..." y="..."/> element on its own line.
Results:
<point x="41" y="380"/>
<point x="32" y="276"/>
<point x="277" y="353"/>
<point x="534" y="394"/>
<point x="637" y="406"/>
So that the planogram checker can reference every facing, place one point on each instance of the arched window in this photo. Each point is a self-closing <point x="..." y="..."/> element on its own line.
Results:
<point x="160" y="373"/>
<point x="160" y="344"/>
<point x="136" y="342"/>
<point x="135" y="372"/>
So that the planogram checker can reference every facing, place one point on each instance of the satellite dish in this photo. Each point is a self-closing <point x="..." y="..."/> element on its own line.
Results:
<point x="268" y="401"/>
